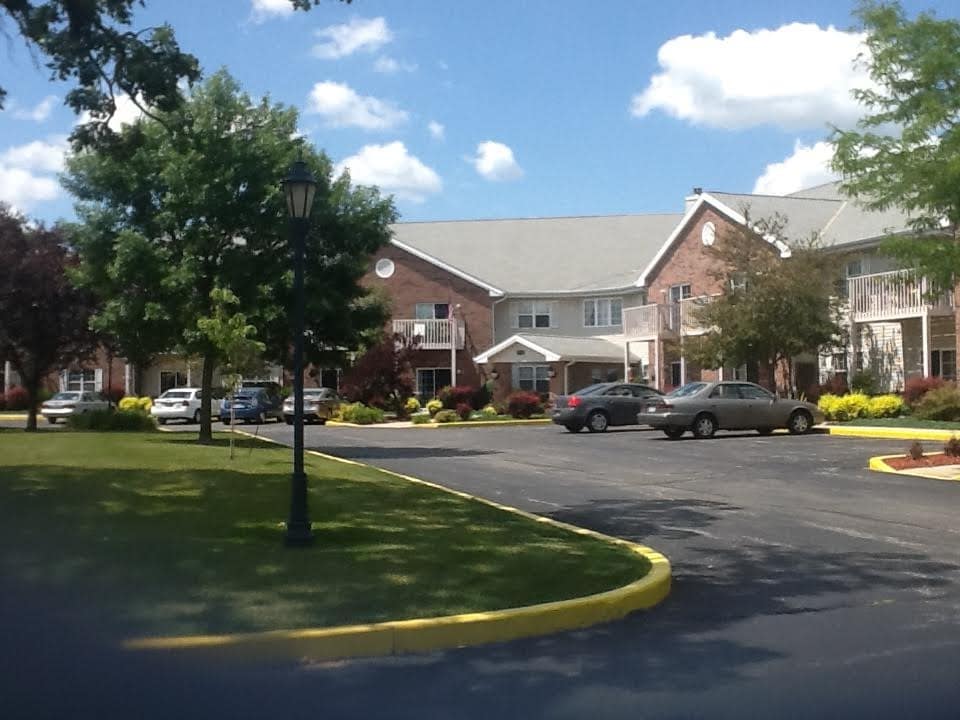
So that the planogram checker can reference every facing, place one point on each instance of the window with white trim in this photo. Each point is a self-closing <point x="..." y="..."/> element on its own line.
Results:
<point x="535" y="378"/>
<point x="430" y="381"/>
<point x="680" y="292"/>
<point x="602" y="312"/>
<point x="532" y="314"/>
<point x="82" y="380"/>
<point x="432" y="311"/>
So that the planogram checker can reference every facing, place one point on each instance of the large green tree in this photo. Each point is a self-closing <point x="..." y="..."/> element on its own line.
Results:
<point x="771" y="308"/>
<point x="905" y="150"/>
<point x="202" y="206"/>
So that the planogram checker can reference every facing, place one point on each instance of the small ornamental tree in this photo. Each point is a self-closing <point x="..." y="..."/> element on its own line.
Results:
<point x="382" y="376"/>
<point x="44" y="319"/>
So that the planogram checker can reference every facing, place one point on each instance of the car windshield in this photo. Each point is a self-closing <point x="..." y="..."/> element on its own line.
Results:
<point x="687" y="390"/>
<point x="66" y="396"/>
<point x="591" y="389"/>
<point x="176" y="394"/>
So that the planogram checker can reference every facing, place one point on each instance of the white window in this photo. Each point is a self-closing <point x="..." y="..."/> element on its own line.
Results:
<point x="738" y="281"/>
<point x="532" y="314"/>
<point x="602" y="312"/>
<point x="432" y="311"/>
<point x="680" y="292"/>
<point x="534" y="377"/>
<point x="82" y="380"/>
<point x="172" y="379"/>
<point x="854" y="268"/>
<point x="943" y="363"/>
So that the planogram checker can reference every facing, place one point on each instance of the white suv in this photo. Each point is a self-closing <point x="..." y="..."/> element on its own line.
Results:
<point x="177" y="404"/>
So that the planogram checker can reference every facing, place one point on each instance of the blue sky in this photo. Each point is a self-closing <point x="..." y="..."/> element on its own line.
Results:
<point x="508" y="108"/>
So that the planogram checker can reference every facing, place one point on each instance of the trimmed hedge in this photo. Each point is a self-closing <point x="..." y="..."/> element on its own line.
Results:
<point x="859" y="405"/>
<point x="942" y="403"/>
<point x="361" y="414"/>
<point x="523" y="404"/>
<point x="112" y="421"/>
<point x="141" y="404"/>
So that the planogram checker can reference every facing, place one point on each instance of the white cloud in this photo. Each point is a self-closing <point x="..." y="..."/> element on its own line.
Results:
<point x="126" y="113"/>
<point x="393" y="169"/>
<point x="263" y="10"/>
<point x="809" y="165"/>
<point x="341" y="106"/>
<point x="358" y="35"/>
<point x="26" y="172"/>
<point x="797" y="76"/>
<point x="437" y="130"/>
<point x="40" y="112"/>
<point x="390" y="66"/>
<point x="39" y="155"/>
<point x="495" y="161"/>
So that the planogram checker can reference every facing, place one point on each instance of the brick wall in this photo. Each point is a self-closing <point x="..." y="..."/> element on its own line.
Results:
<point x="417" y="281"/>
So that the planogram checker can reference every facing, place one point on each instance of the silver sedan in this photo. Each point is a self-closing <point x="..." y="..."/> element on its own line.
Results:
<point x="705" y="407"/>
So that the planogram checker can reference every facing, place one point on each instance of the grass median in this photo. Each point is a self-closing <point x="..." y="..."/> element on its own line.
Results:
<point x="152" y="534"/>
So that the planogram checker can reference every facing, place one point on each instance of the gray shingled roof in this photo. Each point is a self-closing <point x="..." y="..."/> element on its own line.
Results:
<point x="545" y="255"/>
<point x="595" y="349"/>
<point x="821" y="210"/>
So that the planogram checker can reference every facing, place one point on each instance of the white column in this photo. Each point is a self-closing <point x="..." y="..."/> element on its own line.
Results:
<point x="925" y="325"/>
<point x="656" y="364"/>
<point x="6" y="376"/>
<point x="453" y="350"/>
<point x="626" y="361"/>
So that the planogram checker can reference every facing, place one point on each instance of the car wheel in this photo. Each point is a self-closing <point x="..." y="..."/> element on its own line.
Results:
<point x="800" y="422"/>
<point x="704" y="426"/>
<point x="196" y="416"/>
<point x="322" y="421"/>
<point x="52" y="421"/>
<point x="597" y="421"/>
<point x="261" y="419"/>
<point x="765" y="430"/>
<point x="225" y="420"/>
<point x="289" y="421"/>
<point x="574" y="428"/>
<point x="674" y="433"/>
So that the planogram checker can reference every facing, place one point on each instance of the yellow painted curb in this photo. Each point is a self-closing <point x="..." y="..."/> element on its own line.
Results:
<point x="889" y="433"/>
<point x="420" y="635"/>
<point x="8" y="416"/>
<point x="879" y="464"/>
<point x="482" y="423"/>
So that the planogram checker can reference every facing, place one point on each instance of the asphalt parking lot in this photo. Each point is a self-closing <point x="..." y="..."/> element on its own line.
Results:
<point x="804" y="584"/>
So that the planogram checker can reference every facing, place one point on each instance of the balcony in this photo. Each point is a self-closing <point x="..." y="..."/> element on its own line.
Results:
<point x="433" y="334"/>
<point x="664" y="319"/>
<point x="893" y="296"/>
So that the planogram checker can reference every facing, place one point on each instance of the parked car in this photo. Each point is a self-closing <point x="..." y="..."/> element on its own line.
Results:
<point x="705" y="407"/>
<point x="178" y="404"/>
<point x="251" y="405"/>
<point x="599" y="406"/>
<point x="319" y="405"/>
<point x="72" y="402"/>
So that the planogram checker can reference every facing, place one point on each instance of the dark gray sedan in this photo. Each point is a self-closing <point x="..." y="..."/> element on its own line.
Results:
<point x="705" y="407"/>
<point x="597" y="407"/>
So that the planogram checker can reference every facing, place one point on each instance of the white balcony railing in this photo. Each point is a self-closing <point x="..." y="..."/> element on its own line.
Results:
<point x="664" y="319"/>
<point x="433" y="334"/>
<point x="894" y="295"/>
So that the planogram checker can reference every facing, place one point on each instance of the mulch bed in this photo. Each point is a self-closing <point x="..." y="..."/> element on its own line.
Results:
<point x="931" y="460"/>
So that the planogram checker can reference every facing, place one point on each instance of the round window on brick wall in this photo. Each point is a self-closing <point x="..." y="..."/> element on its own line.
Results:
<point x="384" y="268"/>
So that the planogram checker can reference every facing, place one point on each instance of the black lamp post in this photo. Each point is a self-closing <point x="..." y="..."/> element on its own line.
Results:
<point x="299" y="187"/>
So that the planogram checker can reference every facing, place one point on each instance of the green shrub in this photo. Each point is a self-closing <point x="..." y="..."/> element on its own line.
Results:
<point x="916" y="450"/>
<point x="864" y="381"/>
<point x="412" y="405"/>
<point x="112" y="421"/>
<point x="489" y="412"/>
<point x="140" y="404"/>
<point x="360" y="414"/>
<point x="420" y="419"/>
<point x="446" y="416"/>
<point x="829" y="403"/>
<point x="434" y="406"/>
<point x="942" y="403"/>
<point x="884" y="406"/>
<point x="952" y="447"/>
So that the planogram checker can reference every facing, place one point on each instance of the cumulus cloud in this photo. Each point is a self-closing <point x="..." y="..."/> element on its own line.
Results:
<point x="126" y="113"/>
<point x="393" y="169"/>
<point x="807" y="166"/>
<point x="495" y="161"/>
<point x="358" y="35"/>
<point x="40" y="112"/>
<point x="390" y="66"/>
<point x="341" y="106"/>
<point x="437" y="130"/>
<point x="797" y="76"/>
<point x="26" y="172"/>
<point x="263" y="10"/>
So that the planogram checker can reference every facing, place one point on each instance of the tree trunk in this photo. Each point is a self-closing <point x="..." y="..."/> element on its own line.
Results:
<point x="206" y="390"/>
<point x="31" y="382"/>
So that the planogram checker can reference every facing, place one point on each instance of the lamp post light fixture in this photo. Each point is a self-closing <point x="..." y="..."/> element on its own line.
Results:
<point x="299" y="187"/>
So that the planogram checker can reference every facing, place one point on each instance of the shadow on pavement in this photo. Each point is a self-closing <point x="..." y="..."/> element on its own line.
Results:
<point x="383" y="452"/>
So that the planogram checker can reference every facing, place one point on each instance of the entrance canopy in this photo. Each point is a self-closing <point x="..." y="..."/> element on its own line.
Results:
<point x="556" y="348"/>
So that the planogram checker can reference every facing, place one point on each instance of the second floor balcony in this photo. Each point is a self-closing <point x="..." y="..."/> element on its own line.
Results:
<point x="664" y="319"/>
<point x="432" y="334"/>
<point x="894" y="295"/>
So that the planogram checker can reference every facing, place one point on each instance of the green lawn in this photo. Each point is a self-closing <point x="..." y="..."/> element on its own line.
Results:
<point x="151" y="534"/>
<point x="904" y="422"/>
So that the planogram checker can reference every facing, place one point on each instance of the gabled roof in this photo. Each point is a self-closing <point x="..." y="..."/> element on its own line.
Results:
<point x="555" y="348"/>
<point x="546" y="256"/>
<point x="821" y="211"/>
